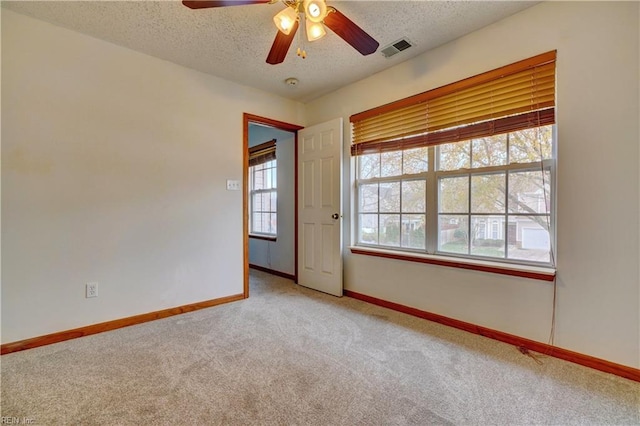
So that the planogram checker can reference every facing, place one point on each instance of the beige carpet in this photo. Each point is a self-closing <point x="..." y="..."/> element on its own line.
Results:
<point x="291" y="356"/>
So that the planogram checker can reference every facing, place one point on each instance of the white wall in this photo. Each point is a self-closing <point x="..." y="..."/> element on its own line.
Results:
<point x="114" y="163"/>
<point x="598" y="181"/>
<point x="278" y="255"/>
<point x="113" y="170"/>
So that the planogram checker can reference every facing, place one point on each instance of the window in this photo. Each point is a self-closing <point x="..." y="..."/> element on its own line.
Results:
<point x="263" y="194"/>
<point x="465" y="172"/>
<point x="392" y="198"/>
<point x="498" y="203"/>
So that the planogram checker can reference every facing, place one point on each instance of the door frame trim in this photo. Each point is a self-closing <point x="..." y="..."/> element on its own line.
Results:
<point x="280" y="125"/>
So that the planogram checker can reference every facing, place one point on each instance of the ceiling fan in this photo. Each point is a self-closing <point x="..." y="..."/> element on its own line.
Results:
<point x="315" y="13"/>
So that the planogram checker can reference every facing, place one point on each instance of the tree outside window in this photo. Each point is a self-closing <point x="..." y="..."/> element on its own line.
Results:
<point x="493" y="197"/>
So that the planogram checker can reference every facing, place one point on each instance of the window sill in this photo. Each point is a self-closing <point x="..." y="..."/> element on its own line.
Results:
<point x="263" y="237"/>
<point x="525" y="271"/>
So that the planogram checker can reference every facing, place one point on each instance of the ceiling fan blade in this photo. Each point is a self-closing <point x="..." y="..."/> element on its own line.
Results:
<point x="281" y="45"/>
<point x="207" y="4"/>
<point x="350" y="32"/>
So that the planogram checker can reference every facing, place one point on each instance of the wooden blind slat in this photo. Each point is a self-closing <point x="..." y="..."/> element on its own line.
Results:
<point x="262" y="153"/>
<point x="417" y="112"/>
<point x="544" y="58"/>
<point x="522" y="96"/>
<point x="521" y="79"/>
<point x="390" y="132"/>
<point x="524" y="86"/>
<point x="508" y="107"/>
<point x="376" y="127"/>
<point x="489" y="128"/>
<point x="532" y="90"/>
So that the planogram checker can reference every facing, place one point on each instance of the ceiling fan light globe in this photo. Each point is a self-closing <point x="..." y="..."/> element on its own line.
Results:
<point x="315" y="10"/>
<point x="315" y="30"/>
<point x="285" y="20"/>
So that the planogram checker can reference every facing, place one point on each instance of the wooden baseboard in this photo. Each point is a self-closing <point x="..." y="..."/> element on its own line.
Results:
<point x="272" y="272"/>
<point x="112" y="325"/>
<point x="532" y="345"/>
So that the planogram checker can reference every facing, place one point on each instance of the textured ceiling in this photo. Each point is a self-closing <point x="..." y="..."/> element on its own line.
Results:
<point x="233" y="42"/>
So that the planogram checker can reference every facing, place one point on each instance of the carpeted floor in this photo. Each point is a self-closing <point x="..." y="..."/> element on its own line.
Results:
<point x="292" y="356"/>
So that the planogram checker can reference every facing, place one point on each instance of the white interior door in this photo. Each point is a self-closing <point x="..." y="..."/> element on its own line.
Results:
<point x="320" y="207"/>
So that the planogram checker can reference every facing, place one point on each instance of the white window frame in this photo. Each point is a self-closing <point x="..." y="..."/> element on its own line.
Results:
<point x="431" y="177"/>
<point x="271" y="164"/>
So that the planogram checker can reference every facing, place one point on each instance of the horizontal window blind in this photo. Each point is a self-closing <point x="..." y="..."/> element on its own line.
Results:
<point x="517" y="96"/>
<point x="262" y="153"/>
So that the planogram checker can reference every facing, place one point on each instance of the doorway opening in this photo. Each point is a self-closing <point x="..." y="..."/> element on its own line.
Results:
<point x="270" y="233"/>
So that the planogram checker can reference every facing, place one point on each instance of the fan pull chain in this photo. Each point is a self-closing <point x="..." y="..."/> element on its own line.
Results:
<point x="301" y="52"/>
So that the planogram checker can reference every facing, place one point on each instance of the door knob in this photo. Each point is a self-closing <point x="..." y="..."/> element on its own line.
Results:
<point x="335" y="216"/>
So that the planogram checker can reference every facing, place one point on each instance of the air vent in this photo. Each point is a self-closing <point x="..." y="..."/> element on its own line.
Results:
<point x="396" y="47"/>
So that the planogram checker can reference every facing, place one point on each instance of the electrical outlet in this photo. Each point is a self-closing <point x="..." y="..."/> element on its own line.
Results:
<point x="91" y="290"/>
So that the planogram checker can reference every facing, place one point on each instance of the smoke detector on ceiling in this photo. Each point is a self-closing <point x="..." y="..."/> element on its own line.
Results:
<point x="291" y="82"/>
<point x="396" y="47"/>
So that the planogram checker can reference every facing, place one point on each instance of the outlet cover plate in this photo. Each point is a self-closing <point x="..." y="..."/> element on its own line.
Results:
<point x="91" y="290"/>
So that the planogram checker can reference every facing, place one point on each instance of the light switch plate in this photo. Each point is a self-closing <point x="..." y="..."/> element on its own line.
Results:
<point x="233" y="185"/>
